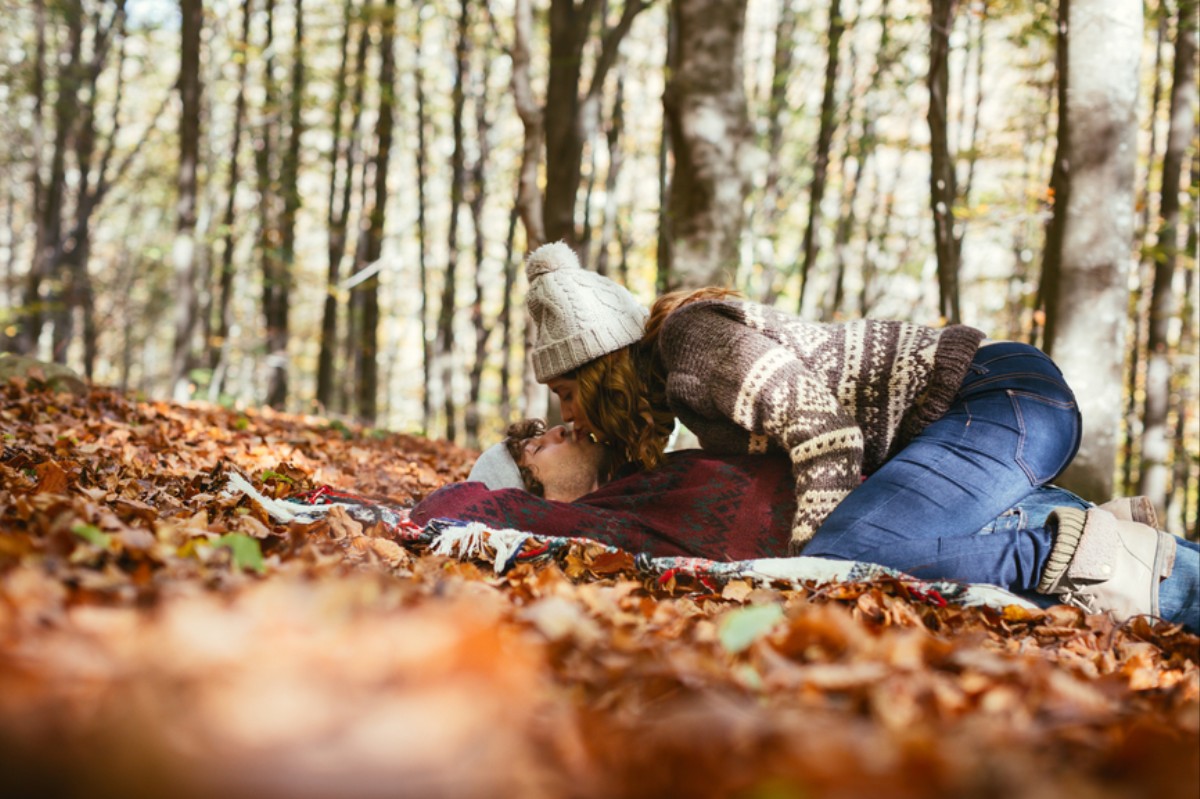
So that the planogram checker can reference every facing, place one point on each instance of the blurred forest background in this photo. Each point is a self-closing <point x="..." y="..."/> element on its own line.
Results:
<point x="323" y="207"/>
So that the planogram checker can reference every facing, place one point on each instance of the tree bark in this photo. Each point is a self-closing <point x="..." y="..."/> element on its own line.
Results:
<point x="29" y="314"/>
<point x="1093" y="222"/>
<point x="367" y="290"/>
<point x="816" y="193"/>
<point x="289" y="173"/>
<point x="574" y="113"/>
<point x="1138" y="302"/>
<point x="943" y="188"/>
<point x="48" y="248"/>
<point x="218" y="345"/>
<point x="777" y="106"/>
<point x="423" y="242"/>
<point x="74" y="251"/>
<point x="529" y="198"/>
<point x="616" y="158"/>
<point x="505" y="319"/>
<point x="706" y="105"/>
<point x="445" y="334"/>
<point x="268" y="197"/>
<point x="183" y="253"/>
<point x="346" y="151"/>
<point x="476" y="205"/>
<point x="1156" y="445"/>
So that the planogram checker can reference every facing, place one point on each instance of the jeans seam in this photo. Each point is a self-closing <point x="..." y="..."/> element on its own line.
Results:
<point x="966" y="389"/>
<point x="1034" y="480"/>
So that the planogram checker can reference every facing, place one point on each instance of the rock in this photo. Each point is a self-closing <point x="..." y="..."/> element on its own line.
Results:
<point x="56" y="376"/>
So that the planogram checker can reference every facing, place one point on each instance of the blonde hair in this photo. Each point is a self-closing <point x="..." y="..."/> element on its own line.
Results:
<point x="623" y="395"/>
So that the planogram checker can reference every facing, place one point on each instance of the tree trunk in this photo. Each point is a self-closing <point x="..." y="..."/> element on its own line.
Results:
<point x="883" y="63"/>
<point x="529" y="199"/>
<point x="75" y="249"/>
<point x="706" y="104"/>
<point x="1093" y="214"/>
<point x="943" y="188"/>
<point x="853" y="163"/>
<point x="573" y="117"/>
<point x="816" y="193"/>
<point x="616" y="157"/>
<point x="367" y="290"/>
<point x="289" y="173"/>
<point x="777" y="107"/>
<point x="183" y="253"/>
<point x="1155" y="442"/>
<point x="48" y="249"/>
<point x="1138" y="302"/>
<point x="445" y="333"/>
<point x="666" y="145"/>
<point x="346" y="151"/>
<point x="218" y="345"/>
<point x="478" y="195"/>
<point x="29" y="314"/>
<point x="505" y="320"/>
<point x="268" y="198"/>
<point x="1185" y="480"/>
<point x="423" y="243"/>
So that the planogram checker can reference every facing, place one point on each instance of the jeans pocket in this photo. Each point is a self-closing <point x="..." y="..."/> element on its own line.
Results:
<point x="1049" y="435"/>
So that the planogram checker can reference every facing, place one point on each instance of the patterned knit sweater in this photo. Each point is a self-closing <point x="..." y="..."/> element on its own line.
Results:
<point x="840" y="399"/>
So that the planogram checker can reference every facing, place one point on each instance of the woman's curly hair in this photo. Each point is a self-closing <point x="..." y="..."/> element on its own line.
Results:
<point x="623" y="395"/>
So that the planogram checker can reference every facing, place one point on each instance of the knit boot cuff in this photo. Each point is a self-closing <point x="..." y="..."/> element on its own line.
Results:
<point x="1068" y="524"/>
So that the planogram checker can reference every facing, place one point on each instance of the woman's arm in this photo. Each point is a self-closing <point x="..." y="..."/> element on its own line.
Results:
<point x="725" y="371"/>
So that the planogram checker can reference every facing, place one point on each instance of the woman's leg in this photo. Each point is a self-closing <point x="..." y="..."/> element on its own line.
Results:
<point x="1013" y="427"/>
<point x="1179" y="594"/>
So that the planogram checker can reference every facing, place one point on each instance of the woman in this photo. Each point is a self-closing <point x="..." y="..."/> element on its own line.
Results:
<point x="948" y="430"/>
<point x="949" y="433"/>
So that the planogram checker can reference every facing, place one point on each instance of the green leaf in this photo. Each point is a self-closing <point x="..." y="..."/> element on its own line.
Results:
<point x="272" y="475"/>
<point x="92" y="534"/>
<point x="741" y="628"/>
<point x="246" y="552"/>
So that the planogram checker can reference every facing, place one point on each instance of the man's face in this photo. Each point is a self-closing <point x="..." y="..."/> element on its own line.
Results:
<point x="568" y="466"/>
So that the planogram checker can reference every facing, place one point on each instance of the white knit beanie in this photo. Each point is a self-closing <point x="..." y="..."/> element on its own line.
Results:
<point x="577" y="315"/>
<point x="496" y="469"/>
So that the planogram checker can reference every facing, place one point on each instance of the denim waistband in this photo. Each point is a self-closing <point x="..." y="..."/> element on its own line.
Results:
<point x="1004" y="365"/>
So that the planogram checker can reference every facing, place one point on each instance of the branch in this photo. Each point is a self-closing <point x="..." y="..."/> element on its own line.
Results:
<point x="529" y="198"/>
<point x="611" y="43"/>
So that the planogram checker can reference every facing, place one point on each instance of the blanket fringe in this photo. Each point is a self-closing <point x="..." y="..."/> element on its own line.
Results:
<point x="468" y="540"/>
<point x="278" y="509"/>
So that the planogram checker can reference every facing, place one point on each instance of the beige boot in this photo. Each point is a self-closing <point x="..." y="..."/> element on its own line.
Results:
<point x="1102" y="563"/>
<point x="1133" y="509"/>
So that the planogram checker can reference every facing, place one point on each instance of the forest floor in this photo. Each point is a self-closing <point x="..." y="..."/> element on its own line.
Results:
<point x="159" y="637"/>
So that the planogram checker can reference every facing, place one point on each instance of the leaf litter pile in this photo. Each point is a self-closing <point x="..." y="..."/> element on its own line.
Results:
<point x="160" y="637"/>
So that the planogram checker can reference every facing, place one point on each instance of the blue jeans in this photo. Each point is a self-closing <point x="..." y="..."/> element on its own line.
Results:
<point x="1178" y="595"/>
<point x="1011" y="428"/>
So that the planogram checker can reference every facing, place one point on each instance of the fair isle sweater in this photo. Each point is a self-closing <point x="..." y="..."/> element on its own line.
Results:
<point x="840" y="399"/>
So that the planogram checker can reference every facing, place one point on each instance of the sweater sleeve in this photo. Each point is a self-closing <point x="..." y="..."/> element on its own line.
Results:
<point x="721" y="371"/>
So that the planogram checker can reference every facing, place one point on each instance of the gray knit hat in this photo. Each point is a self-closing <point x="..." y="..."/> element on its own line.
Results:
<point x="496" y="469"/>
<point x="577" y="315"/>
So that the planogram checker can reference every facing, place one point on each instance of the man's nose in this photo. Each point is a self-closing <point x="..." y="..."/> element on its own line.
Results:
<point x="557" y="433"/>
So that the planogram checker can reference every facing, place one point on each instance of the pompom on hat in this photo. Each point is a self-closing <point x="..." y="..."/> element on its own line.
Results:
<point x="496" y="469"/>
<point x="577" y="315"/>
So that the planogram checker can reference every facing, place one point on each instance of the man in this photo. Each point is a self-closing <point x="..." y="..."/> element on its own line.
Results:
<point x="695" y="504"/>
<point x="553" y="483"/>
